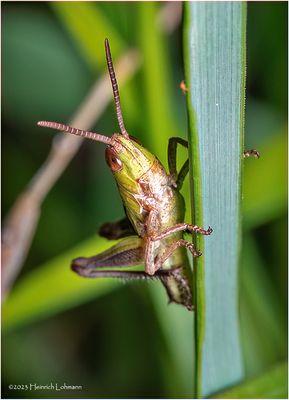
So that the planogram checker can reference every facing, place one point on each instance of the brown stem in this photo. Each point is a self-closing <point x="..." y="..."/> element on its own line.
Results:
<point x="20" y="224"/>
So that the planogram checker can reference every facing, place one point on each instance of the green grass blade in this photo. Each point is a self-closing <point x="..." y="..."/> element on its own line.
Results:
<point x="159" y="124"/>
<point x="215" y="73"/>
<point x="177" y="325"/>
<point x="52" y="287"/>
<point x="272" y="384"/>
<point x="88" y="27"/>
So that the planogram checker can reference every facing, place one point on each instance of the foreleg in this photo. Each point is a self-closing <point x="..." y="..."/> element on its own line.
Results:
<point x="172" y="161"/>
<point x="182" y="174"/>
<point x="182" y="227"/>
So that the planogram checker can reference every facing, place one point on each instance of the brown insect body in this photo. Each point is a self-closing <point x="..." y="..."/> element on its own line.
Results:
<point x="152" y="232"/>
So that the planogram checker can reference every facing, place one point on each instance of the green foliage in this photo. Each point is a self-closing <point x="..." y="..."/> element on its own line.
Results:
<point x="272" y="384"/>
<point x="265" y="183"/>
<point x="88" y="25"/>
<point x="261" y="311"/>
<point x="156" y="80"/>
<point x="52" y="317"/>
<point x="59" y="288"/>
<point x="215" y="69"/>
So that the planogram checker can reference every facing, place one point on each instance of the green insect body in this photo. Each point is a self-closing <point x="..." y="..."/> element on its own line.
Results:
<point x="152" y="231"/>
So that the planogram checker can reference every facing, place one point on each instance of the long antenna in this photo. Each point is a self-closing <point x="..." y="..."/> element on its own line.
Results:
<point x="114" y="89"/>
<point x="78" y="132"/>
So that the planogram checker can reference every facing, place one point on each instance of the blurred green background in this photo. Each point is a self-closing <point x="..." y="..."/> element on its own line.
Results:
<point x="126" y="342"/>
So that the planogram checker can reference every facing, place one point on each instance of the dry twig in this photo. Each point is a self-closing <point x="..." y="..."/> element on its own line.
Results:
<point x="21" y="222"/>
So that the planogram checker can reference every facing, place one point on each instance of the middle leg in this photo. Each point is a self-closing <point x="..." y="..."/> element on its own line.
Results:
<point x="153" y="264"/>
<point x="170" y="249"/>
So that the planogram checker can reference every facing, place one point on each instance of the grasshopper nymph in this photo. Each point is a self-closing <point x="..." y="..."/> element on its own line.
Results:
<point x="152" y="231"/>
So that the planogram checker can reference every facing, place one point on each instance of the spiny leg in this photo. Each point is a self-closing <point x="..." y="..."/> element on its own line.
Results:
<point x="252" y="152"/>
<point x="169" y="278"/>
<point x="129" y="275"/>
<point x="152" y="237"/>
<point x="170" y="249"/>
<point x="152" y="264"/>
<point x="182" y="227"/>
<point x="91" y="273"/>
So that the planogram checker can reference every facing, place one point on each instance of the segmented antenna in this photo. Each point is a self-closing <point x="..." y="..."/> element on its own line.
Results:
<point x="75" y="131"/>
<point x="114" y="89"/>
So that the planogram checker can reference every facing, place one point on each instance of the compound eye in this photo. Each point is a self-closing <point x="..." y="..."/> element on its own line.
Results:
<point x="114" y="163"/>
